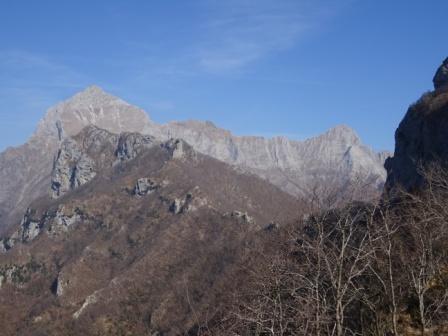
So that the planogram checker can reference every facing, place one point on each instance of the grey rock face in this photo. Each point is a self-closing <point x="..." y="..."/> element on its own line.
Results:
<point x="179" y="149"/>
<point x="181" y="205"/>
<point x="440" y="79"/>
<point x="145" y="186"/>
<point x="242" y="217"/>
<point x="176" y="206"/>
<point x="80" y="158"/>
<point x="8" y="243"/>
<point x="130" y="145"/>
<point x="4" y="246"/>
<point x="62" y="221"/>
<point x="294" y="166"/>
<point x="72" y="169"/>
<point x="30" y="227"/>
<point x="60" y="285"/>
<point x="92" y="106"/>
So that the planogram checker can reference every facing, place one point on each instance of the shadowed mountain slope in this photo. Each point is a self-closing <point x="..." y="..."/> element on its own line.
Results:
<point x="420" y="139"/>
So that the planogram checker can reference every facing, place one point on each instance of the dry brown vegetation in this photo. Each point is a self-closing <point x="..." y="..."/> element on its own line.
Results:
<point x="137" y="266"/>
<point x="362" y="269"/>
<point x="245" y="259"/>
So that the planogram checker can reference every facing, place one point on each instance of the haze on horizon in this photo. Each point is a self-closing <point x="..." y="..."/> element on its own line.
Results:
<point x="293" y="68"/>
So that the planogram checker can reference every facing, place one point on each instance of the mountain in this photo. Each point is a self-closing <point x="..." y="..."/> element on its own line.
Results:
<point x="25" y="170"/>
<point x="92" y="106"/>
<point x="336" y="157"/>
<point x="364" y="268"/>
<point x="294" y="166"/>
<point x="138" y="237"/>
<point x="420" y="139"/>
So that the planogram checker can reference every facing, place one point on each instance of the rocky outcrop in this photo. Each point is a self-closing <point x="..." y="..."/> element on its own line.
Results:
<point x="242" y="217"/>
<point x="145" y="186"/>
<point x="4" y="246"/>
<point x="132" y="144"/>
<point x="181" y="205"/>
<point x="179" y="149"/>
<point x="63" y="220"/>
<point x="80" y="158"/>
<point x="421" y="139"/>
<point x="52" y="222"/>
<point x="440" y="79"/>
<point x="72" y="168"/>
<point x="192" y="201"/>
<point x="8" y="243"/>
<point x="59" y="285"/>
<point x="30" y="227"/>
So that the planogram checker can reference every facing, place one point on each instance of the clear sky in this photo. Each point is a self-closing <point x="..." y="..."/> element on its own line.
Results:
<point x="259" y="67"/>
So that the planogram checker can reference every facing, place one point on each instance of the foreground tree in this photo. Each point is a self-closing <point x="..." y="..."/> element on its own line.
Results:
<point x="362" y="269"/>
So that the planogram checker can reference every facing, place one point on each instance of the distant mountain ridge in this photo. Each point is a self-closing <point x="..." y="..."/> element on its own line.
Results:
<point x="294" y="166"/>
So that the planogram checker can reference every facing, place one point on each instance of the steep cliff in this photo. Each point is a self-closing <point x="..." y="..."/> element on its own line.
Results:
<point x="420" y="140"/>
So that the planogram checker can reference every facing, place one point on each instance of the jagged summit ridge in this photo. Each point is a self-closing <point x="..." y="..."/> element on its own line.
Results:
<point x="279" y="159"/>
<point x="290" y="164"/>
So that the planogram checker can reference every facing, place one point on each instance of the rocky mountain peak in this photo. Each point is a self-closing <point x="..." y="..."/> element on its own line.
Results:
<point x="343" y="134"/>
<point x="93" y="96"/>
<point x="92" y="106"/>
<point x="440" y="79"/>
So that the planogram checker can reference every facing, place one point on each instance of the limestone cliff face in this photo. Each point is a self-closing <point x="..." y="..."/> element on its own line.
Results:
<point x="294" y="166"/>
<point x="421" y="138"/>
<point x="72" y="169"/>
<point x="93" y="150"/>
<point x="130" y="145"/>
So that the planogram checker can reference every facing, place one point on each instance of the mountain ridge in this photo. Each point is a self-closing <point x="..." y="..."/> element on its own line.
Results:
<point x="294" y="166"/>
<point x="138" y="224"/>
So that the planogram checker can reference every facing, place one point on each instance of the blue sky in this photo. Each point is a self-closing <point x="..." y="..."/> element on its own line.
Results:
<point x="259" y="67"/>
